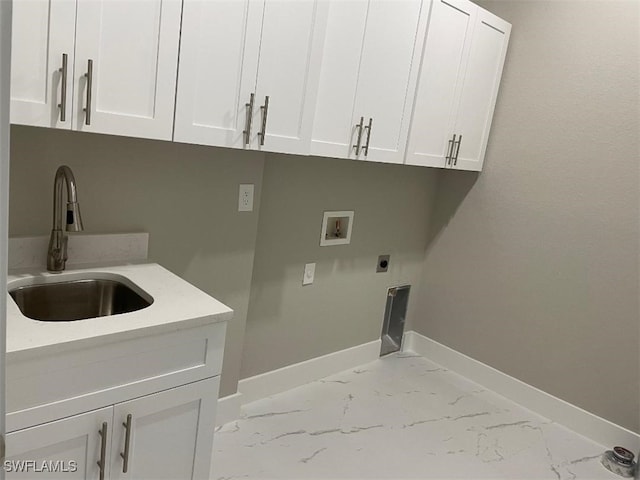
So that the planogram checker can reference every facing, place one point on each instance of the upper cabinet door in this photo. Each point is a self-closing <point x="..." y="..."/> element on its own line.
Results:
<point x="288" y="69"/>
<point x="218" y="61"/>
<point x="168" y="435"/>
<point x="334" y="133"/>
<point x="125" y="67"/>
<point x="43" y="32"/>
<point x="368" y="78"/>
<point x="446" y="46"/>
<point x="480" y="89"/>
<point x="460" y="74"/>
<point x="387" y="78"/>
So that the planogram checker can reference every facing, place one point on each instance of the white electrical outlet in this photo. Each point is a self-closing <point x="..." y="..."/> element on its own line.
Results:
<point x="309" y="273"/>
<point x="245" y="199"/>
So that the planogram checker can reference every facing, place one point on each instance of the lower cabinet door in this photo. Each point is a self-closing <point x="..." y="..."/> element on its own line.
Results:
<point x="67" y="449"/>
<point x="168" y="435"/>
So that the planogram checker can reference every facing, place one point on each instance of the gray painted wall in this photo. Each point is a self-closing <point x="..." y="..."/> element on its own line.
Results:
<point x="185" y="196"/>
<point x="290" y="323"/>
<point x="533" y="266"/>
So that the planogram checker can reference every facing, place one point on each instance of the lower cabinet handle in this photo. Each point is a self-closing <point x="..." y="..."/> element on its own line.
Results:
<point x="368" y="129"/>
<point x="103" y="449"/>
<point x="127" y="439"/>
<point x="265" y="112"/>
<point x="89" y="77"/>
<point x="247" y="126"/>
<point x="63" y="88"/>
<point x="455" y="159"/>
<point x="359" y="141"/>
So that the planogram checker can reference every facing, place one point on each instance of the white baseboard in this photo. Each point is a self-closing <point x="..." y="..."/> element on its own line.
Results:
<point x="286" y="378"/>
<point x="575" y="418"/>
<point x="228" y="409"/>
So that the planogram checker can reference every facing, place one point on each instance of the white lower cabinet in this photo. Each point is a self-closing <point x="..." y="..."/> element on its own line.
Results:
<point x="166" y="435"/>
<point x="170" y="434"/>
<point x="65" y="449"/>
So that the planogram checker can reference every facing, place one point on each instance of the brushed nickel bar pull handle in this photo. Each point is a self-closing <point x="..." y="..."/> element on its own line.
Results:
<point x="455" y="159"/>
<point x="247" y="126"/>
<point x="89" y="77"/>
<point x="368" y="129"/>
<point x="359" y="142"/>
<point x="452" y="144"/>
<point x="103" y="449"/>
<point x="127" y="439"/>
<point x="265" y="112"/>
<point x="63" y="88"/>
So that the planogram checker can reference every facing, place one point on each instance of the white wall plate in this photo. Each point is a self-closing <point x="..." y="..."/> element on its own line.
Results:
<point x="336" y="228"/>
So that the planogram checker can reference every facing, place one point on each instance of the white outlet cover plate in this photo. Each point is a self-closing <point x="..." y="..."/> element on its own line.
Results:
<point x="309" y="273"/>
<point x="245" y="198"/>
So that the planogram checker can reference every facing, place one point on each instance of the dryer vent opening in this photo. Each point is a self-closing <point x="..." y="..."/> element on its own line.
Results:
<point x="394" y="317"/>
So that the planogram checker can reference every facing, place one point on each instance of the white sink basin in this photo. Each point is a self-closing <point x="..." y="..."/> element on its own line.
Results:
<point x="79" y="299"/>
<point x="147" y="299"/>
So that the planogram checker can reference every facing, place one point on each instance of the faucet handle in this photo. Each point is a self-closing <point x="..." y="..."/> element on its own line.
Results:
<point x="63" y="253"/>
<point x="57" y="252"/>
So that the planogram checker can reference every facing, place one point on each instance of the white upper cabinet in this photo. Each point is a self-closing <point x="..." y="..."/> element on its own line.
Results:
<point x="367" y="78"/>
<point x="480" y="90"/>
<point x="248" y="73"/>
<point x="449" y="33"/>
<point x="462" y="61"/>
<point x="120" y="57"/>
<point x="42" y="62"/>
<point x="395" y="81"/>
<point x="218" y="61"/>
<point x="333" y="128"/>
<point x="125" y="67"/>
<point x="287" y="79"/>
<point x="387" y="78"/>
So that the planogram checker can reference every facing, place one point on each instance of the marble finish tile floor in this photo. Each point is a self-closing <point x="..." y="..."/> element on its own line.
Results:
<point x="400" y="417"/>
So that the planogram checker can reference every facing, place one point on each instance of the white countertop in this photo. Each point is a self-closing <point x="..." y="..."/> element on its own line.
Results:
<point x="176" y="304"/>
